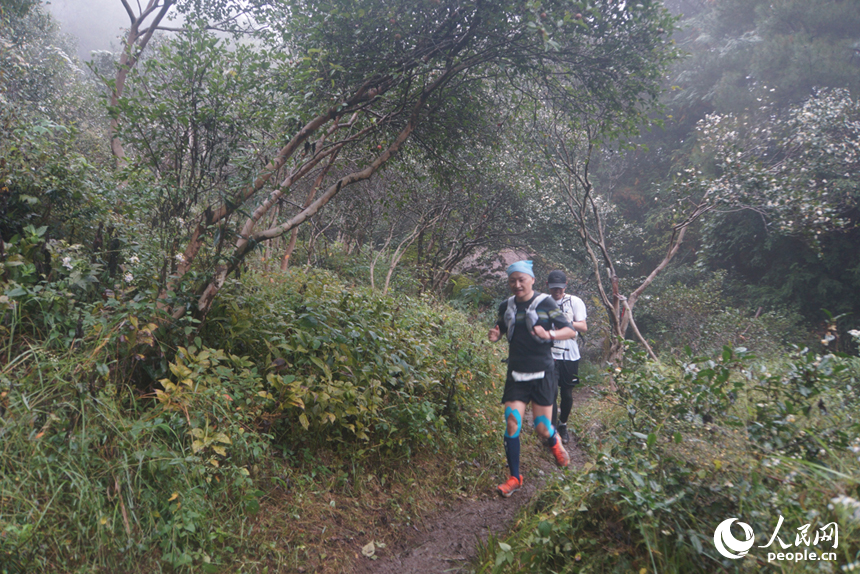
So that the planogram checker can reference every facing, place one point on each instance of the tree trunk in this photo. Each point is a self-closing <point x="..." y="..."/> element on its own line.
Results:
<point x="288" y="252"/>
<point x="294" y="234"/>
<point x="206" y="299"/>
<point x="135" y="42"/>
<point x="247" y="241"/>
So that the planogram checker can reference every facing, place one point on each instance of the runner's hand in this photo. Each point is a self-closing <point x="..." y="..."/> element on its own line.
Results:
<point x="540" y="332"/>
<point x="495" y="334"/>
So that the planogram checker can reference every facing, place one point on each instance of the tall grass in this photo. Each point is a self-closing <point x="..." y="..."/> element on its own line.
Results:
<point x="98" y="482"/>
<point x="134" y="448"/>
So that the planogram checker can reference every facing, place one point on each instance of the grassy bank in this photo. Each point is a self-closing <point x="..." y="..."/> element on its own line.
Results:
<point x="303" y="421"/>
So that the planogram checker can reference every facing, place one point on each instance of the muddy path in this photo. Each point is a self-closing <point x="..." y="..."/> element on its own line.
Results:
<point x="449" y="540"/>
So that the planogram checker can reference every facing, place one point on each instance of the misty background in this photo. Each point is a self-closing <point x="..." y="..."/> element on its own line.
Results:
<point x="97" y="24"/>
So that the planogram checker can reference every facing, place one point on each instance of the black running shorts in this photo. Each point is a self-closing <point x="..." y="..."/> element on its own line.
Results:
<point x="538" y="391"/>
<point x="568" y="373"/>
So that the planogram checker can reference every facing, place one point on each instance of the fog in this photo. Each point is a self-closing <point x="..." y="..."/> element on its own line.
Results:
<point x="97" y="24"/>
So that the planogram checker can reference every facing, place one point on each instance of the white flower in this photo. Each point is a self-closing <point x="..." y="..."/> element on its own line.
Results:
<point x="128" y="277"/>
<point x="134" y="260"/>
<point x="67" y="262"/>
<point x="180" y="258"/>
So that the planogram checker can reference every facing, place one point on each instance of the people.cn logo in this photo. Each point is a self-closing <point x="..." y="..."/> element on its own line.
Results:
<point x="728" y="545"/>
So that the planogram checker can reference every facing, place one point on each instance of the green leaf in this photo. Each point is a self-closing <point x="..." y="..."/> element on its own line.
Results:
<point x="697" y="544"/>
<point x="545" y="528"/>
<point x="252" y="505"/>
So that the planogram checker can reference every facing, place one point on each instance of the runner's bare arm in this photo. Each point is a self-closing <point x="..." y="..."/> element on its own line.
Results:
<point x="559" y="334"/>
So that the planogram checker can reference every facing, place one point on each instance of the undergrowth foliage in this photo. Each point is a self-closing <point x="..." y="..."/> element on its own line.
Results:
<point x="96" y="477"/>
<point x="690" y="444"/>
<point x="129" y="444"/>
<point x="351" y="366"/>
<point x="696" y="313"/>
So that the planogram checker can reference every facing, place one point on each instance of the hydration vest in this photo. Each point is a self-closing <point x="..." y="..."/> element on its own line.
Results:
<point x="566" y="307"/>
<point x="531" y="317"/>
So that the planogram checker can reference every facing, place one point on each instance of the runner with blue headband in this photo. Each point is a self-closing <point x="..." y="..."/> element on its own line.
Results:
<point x="531" y="321"/>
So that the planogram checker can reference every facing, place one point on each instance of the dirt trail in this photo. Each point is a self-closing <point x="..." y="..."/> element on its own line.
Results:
<point x="447" y="541"/>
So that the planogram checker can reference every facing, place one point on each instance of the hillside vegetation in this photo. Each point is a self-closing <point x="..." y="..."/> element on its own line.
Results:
<point x="249" y="260"/>
<point x="302" y="385"/>
<point x="688" y="443"/>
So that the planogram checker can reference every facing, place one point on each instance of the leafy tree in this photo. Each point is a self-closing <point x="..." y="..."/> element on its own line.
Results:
<point x="430" y="214"/>
<point x="39" y="71"/>
<point x="568" y="158"/>
<point x="144" y="22"/>
<point x="747" y="59"/>
<point x="571" y="134"/>
<point x="794" y="174"/>
<point x="48" y="115"/>
<point x="358" y="88"/>
<point x="193" y="118"/>
<point x="797" y="169"/>
<point x="751" y="67"/>
<point x="742" y="49"/>
<point x="785" y="273"/>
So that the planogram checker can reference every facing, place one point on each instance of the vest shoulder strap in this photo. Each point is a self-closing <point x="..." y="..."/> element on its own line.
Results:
<point x="531" y="315"/>
<point x="537" y="301"/>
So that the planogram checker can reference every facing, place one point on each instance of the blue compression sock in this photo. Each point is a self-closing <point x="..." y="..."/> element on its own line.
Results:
<point x="512" y="451"/>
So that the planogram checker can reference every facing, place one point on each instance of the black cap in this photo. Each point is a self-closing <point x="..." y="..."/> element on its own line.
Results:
<point x="556" y="280"/>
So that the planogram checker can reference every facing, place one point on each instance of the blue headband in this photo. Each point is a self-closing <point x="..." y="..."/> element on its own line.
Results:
<point x="522" y="267"/>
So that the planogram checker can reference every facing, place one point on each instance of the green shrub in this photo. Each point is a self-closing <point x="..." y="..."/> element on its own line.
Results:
<point x="700" y="315"/>
<point x="468" y="294"/>
<point x="695" y="443"/>
<point x="348" y="365"/>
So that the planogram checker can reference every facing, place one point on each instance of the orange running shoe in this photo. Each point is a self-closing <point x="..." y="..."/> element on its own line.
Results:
<point x="511" y="486"/>
<point x="561" y="457"/>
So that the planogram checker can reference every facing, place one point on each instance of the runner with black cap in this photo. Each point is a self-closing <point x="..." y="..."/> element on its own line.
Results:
<point x="565" y="353"/>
